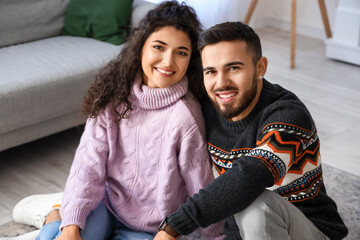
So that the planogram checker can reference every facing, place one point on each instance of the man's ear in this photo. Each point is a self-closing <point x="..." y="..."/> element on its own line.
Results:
<point x="261" y="67"/>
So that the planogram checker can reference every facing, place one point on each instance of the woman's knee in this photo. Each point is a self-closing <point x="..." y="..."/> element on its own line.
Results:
<point x="98" y="224"/>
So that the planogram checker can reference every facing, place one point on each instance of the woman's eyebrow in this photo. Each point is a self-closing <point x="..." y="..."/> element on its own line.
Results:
<point x="184" y="48"/>
<point x="181" y="47"/>
<point x="160" y="42"/>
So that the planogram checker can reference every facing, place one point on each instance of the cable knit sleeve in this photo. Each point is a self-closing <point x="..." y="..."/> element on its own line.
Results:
<point x="85" y="185"/>
<point x="195" y="168"/>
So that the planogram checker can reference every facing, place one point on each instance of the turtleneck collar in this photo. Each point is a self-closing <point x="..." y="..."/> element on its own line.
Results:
<point x="156" y="98"/>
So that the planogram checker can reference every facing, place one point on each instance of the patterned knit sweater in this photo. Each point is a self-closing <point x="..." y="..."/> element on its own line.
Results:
<point x="146" y="165"/>
<point x="276" y="147"/>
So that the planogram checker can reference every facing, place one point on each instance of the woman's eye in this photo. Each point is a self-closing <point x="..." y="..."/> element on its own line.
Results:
<point x="210" y="72"/>
<point x="185" y="54"/>
<point x="158" y="47"/>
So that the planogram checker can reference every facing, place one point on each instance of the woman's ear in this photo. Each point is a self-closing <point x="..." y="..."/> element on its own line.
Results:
<point x="261" y="67"/>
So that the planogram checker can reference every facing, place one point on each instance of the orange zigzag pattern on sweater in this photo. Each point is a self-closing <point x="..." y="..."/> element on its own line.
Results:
<point x="312" y="155"/>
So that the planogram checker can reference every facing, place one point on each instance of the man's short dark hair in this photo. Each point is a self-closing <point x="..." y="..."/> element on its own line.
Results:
<point x="231" y="31"/>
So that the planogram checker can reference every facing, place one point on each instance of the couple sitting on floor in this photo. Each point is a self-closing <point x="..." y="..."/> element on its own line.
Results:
<point x="142" y="169"/>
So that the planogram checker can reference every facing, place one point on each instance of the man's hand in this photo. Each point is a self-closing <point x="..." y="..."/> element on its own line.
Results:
<point x="71" y="232"/>
<point x="162" y="235"/>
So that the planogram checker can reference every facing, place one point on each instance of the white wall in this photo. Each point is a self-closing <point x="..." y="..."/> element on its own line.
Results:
<point x="211" y="12"/>
<point x="273" y="13"/>
<point x="277" y="13"/>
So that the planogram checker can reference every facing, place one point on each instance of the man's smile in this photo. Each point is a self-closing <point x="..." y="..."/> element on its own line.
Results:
<point x="226" y="96"/>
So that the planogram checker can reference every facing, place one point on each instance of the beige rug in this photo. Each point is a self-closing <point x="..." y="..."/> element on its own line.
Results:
<point x="343" y="187"/>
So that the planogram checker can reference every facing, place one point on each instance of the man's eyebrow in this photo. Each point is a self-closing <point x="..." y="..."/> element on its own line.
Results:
<point x="208" y="68"/>
<point x="233" y="63"/>
<point x="226" y="65"/>
<point x="181" y="47"/>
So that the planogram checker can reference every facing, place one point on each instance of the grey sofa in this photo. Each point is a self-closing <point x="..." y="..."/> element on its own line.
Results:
<point x="44" y="76"/>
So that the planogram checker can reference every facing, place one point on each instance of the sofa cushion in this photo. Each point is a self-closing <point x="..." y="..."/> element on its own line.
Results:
<point x="102" y="20"/>
<point x="22" y="21"/>
<point x="140" y="9"/>
<point x="46" y="79"/>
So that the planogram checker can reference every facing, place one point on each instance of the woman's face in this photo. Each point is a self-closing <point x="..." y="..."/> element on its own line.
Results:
<point x="165" y="57"/>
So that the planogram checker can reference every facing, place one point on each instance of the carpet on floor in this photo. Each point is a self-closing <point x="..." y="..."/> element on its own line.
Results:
<point x="343" y="187"/>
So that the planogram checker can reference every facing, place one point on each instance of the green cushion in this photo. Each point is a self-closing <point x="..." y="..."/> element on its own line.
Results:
<point x="105" y="20"/>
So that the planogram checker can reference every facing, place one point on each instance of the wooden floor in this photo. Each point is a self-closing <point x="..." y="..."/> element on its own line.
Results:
<point x="330" y="89"/>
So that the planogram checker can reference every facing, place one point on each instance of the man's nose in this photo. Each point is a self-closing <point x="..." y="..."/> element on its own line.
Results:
<point x="222" y="80"/>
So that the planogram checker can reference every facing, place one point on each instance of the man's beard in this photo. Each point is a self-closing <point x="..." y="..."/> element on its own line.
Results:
<point x="229" y="111"/>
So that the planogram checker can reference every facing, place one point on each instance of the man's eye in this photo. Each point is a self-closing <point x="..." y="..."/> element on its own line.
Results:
<point x="234" y="68"/>
<point x="210" y="72"/>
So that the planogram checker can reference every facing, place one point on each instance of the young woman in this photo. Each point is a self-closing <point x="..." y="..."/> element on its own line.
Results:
<point x="143" y="151"/>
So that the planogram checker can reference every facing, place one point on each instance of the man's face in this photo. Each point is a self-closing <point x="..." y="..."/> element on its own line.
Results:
<point x="231" y="78"/>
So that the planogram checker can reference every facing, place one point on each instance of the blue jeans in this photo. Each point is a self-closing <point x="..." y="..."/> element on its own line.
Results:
<point x="100" y="224"/>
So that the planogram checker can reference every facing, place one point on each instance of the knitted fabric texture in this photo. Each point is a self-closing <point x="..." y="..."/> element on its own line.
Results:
<point x="276" y="147"/>
<point x="146" y="165"/>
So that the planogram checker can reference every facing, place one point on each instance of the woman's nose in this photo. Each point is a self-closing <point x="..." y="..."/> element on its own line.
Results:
<point x="167" y="58"/>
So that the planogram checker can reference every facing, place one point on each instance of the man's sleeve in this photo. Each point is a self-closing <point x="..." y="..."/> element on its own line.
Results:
<point x="228" y="194"/>
<point x="275" y="152"/>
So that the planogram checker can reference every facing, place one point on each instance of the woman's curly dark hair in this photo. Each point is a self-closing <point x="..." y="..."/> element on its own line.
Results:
<point x="114" y="82"/>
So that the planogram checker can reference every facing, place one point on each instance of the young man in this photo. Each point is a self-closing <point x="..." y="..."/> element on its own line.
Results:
<point x="264" y="145"/>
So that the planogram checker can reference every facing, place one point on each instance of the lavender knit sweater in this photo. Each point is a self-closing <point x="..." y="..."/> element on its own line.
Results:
<point x="146" y="165"/>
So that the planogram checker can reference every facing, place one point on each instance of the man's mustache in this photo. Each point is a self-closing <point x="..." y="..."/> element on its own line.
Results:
<point x="225" y="89"/>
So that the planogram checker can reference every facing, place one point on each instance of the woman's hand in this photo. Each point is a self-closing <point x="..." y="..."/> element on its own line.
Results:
<point x="71" y="232"/>
<point x="162" y="235"/>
